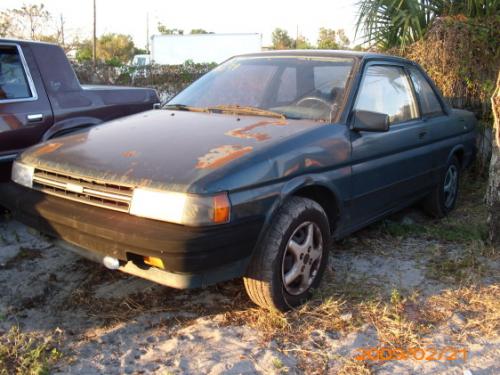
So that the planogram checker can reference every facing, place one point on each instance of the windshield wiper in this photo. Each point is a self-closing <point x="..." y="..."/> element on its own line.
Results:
<point x="183" y="107"/>
<point x="245" y="110"/>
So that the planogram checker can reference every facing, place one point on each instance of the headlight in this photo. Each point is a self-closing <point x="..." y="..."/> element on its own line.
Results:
<point x="23" y="174"/>
<point x="180" y="208"/>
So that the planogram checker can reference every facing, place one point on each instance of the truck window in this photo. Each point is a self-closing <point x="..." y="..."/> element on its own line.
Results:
<point x="428" y="99"/>
<point x="13" y="80"/>
<point x="386" y="89"/>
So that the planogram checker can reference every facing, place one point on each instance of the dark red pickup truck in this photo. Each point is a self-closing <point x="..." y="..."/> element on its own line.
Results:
<point x="41" y="97"/>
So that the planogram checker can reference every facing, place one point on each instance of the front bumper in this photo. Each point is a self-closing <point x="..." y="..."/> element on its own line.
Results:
<point x="202" y="256"/>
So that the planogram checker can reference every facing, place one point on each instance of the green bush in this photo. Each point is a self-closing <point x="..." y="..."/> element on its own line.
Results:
<point x="168" y="80"/>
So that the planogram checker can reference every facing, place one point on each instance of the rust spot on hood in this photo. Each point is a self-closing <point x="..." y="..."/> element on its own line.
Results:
<point x="129" y="154"/>
<point x="245" y="133"/>
<point x="47" y="149"/>
<point x="222" y="155"/>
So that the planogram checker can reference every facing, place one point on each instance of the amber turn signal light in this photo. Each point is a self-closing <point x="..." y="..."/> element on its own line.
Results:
<point x="221" y="208"/>
<point x="155" y="262"/>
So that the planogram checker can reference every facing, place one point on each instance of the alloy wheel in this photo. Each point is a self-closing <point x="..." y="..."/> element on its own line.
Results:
<point x="450" y="185"/>
<point x="302" y="258"/>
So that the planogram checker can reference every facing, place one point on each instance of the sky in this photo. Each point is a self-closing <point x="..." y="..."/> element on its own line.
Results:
<point x="220" y="16"/>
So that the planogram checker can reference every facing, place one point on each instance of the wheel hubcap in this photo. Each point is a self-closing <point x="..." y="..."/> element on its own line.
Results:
<point x="302" y="258"/>
<point x="450" y="185"/>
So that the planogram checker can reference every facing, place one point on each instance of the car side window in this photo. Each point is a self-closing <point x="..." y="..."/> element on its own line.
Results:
<point x="386" y="89"/>
<point x="429" y="102"/>
<point x="13" y="80"/>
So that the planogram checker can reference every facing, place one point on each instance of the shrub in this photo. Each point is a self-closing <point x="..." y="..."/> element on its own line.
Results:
<point x="461" y="55"/>
<point x="168" y="80"/>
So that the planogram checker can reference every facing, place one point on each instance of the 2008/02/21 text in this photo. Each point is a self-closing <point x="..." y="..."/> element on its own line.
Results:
<point x="448" y="353"/>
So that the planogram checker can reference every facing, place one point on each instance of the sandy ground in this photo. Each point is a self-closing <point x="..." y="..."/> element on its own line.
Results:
<point x="105" y="322"/>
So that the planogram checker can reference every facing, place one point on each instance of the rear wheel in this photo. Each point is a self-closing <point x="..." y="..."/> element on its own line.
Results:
<point x="292" y="258"/>
<point x="444" y="196"/>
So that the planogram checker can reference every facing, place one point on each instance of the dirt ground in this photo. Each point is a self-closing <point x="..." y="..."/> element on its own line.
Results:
<point x="407" y="282"/>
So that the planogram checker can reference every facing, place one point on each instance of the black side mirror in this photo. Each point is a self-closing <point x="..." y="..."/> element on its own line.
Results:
<point x="370" y="121"/>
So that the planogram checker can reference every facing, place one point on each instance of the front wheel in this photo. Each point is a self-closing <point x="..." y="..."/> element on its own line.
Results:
<point x="292" y="259"/>
<point x="444" y="196"/>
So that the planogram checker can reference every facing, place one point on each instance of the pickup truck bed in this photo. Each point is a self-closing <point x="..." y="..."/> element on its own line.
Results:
<point x="41" y="98"/>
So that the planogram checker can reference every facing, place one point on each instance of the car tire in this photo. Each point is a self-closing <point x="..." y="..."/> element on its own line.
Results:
<point x="444" y="196"/>
<point x="291" y="260"/>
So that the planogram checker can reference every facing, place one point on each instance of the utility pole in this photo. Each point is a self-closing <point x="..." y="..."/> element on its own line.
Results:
<point x="94" y="39"/>
<point x="147" y="33"/>
<point x="297" y="36"/>
<point x="62" y="30"/>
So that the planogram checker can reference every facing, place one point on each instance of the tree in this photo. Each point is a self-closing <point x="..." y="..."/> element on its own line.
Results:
<point x="302" y="43"/>
<point x="113" y="49"/>
<point x="342" y="39"/>
<point x="327" y="39"/>
<point x="84" y="51"/>
<point x="33" y="18"/>
<point x="396" y="23"/>
<point x="29" y="22"/>
<point x="493" y="192"/>
<point x="140" y="51"/>
<point x="281" y="39"/>
<point x="332" y="39"/>
<point x="162" y="29"/>
<point x="6" y="23"/>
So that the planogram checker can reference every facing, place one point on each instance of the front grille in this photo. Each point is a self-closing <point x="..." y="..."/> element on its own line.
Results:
<point x="83" y="189"/>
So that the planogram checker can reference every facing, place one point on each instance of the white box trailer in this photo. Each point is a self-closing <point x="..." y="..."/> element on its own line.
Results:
<point x="202" y="48"/>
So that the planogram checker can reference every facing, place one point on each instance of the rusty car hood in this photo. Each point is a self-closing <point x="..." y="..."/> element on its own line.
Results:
<point x="162" y="148"/>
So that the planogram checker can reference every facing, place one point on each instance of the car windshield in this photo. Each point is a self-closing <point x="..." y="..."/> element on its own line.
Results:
<point x="295" y="87"/>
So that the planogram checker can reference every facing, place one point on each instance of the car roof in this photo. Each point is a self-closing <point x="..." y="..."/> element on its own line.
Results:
<point x="327" y="53"/>
<point x="24" y="41"/>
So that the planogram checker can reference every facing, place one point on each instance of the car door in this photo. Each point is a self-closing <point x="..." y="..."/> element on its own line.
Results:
<point x="389" y="168"/>
<point x="25" y="112"/>
<point x="443" y="135"/>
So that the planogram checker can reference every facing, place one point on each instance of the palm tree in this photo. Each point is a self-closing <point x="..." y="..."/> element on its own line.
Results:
<point x="396" y="23"/>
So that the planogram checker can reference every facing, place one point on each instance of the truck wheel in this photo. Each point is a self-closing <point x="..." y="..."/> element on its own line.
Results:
<point x="292" y="258"/>
<point x="444" y="196"/>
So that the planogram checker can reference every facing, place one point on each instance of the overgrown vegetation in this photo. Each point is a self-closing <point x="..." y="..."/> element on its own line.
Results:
<point x="461" y="55"/>
<point x="26" y="353"/>
<point x="395" y="23"/>
<point x="168" y="80"/>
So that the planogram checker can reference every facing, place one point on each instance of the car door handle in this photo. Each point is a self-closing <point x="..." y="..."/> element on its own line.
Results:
<point x="422" y="134"/>
<point x="35" y="117"/>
